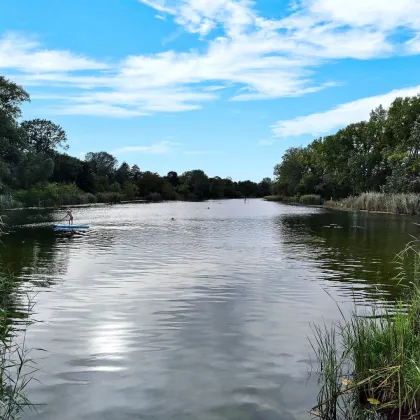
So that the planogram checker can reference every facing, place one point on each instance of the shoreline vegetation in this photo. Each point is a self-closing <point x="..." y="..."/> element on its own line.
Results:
<point x="369" y="362"/>
<point x="372" y="202"/>
<point x="35" y="170"/>
<point x="16" y="366"/>
<point x="371" y="165"/>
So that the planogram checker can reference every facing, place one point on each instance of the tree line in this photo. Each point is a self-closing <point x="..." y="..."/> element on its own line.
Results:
<point x="381" y="154"/>
<point x="34" y="167"/>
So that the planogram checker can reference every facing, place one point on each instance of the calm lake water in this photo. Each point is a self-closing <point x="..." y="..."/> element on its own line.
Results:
<point x="205" y="317"/>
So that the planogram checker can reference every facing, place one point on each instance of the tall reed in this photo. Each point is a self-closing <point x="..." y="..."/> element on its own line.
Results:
<point x="369" y="363"/>
<point x="382" y="202"/>
<point x="16" y="366"/>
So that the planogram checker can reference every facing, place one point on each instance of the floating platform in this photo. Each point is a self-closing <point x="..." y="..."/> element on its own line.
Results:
<point x="70" y="227"/>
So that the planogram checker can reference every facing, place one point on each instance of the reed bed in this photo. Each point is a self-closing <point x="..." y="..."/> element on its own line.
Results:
<point x="369" y="363"/>
<point x="382" y="202"/>
<point x="17" y="369"/>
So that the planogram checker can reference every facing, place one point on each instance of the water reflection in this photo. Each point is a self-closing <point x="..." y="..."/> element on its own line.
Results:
<point x="204" y="317"/>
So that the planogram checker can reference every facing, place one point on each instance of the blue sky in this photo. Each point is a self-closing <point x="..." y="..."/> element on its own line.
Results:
<point x="221" y="85"/>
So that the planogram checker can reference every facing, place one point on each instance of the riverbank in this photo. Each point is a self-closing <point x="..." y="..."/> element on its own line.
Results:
<point x="369" y="363"/>
<point x="371" y="202"/>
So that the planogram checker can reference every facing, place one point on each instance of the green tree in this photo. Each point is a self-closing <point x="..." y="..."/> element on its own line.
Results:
<point x="43" y="136"/>
<point x="135" y="172"/>
<point x="67" y="169"/>
<point x="173" y="178"/>
<point x="130" y="190"/>
<point x="86" y="179"/>
<point x="123" y="173"/>
<point x="102" y="163"/>
<point x="33" y="169"/>
<point x="217" y="187"/>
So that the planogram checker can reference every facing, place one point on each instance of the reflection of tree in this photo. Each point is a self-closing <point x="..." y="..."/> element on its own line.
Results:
<point x="354" y="248"/>
<point x="30" y="252"/>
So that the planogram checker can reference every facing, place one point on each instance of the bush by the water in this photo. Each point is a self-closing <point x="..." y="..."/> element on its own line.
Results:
<point x="382" y="202"/>
<point x="53" y="195"/>
<point x="311" y="200"/>
<point x="8" y="202"/>
<point x="370" y="362"/>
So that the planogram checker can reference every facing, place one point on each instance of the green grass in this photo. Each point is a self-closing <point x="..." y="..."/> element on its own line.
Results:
<point x="369" y="363"/>
<point x="381" y="202"/>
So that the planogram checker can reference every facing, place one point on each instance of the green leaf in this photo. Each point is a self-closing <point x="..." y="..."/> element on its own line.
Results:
<point x="373" y="401"/>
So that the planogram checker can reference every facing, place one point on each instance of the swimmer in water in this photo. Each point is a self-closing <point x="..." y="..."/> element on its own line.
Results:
<point x="69" y="215"/>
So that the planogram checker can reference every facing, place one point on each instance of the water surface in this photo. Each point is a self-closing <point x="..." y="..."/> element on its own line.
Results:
<point x="204" y="317"/>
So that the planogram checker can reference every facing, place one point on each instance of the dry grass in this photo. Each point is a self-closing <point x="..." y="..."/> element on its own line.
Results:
<point x="381" y="202"/>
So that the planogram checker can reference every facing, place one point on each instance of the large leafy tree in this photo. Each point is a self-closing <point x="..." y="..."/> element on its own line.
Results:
<point x="44" y="136"/>
<point x="123" y="173"/>
<point x="11" y="139"/>
<point x="102" y="163"/>
<point x="11" y="97"/>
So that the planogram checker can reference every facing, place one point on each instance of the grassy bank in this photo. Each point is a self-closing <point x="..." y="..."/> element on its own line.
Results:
<point x="380" y="202"/>
<point x="370" y="202"/>
<point x="56" y="195"/>
<point x="369" y="363"/>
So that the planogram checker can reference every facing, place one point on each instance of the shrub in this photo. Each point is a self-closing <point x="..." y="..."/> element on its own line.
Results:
<point x="311" y="199"/>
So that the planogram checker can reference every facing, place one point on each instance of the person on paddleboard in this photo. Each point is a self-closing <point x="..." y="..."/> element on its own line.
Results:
<point x="69" y="215"/>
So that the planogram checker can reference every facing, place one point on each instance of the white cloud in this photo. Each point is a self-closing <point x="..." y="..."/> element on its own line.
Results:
<point x="413" y="45"/>
<point x="351" y="112"/>
<point x="98" y="109"/>
<point x="160" y="148"/>
<point x="17" y="52"/>
<point x="383" y="14"/>
<point x="262" y="58"/>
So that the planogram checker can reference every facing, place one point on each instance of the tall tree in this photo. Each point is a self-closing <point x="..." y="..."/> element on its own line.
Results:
<point x="11" y="97"/>
<point x="123" y="173"/>
<point x="102" y="163"/>
<point x="44" y="136"/>
<point x="173" y="178"/>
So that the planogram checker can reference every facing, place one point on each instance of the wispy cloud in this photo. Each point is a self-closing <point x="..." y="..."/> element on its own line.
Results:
<point x="263" y="58"/>
<point x="160" y="148"/>
<point x="344" y="114"/>
<point x="20" y="53"/>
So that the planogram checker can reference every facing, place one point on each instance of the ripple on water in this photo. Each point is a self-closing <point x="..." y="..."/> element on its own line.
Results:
<point x="204" y="317"/>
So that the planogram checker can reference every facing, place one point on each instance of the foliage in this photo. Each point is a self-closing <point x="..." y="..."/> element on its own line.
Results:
<point x="370" y="362"/>
<point x="44" y="136"/>
<point x="310" y="200"/>
<point x="381" y="154"/>
<point x="35" y="173"/>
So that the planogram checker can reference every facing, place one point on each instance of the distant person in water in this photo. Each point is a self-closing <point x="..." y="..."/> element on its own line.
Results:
<point x="69" y="215"/>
